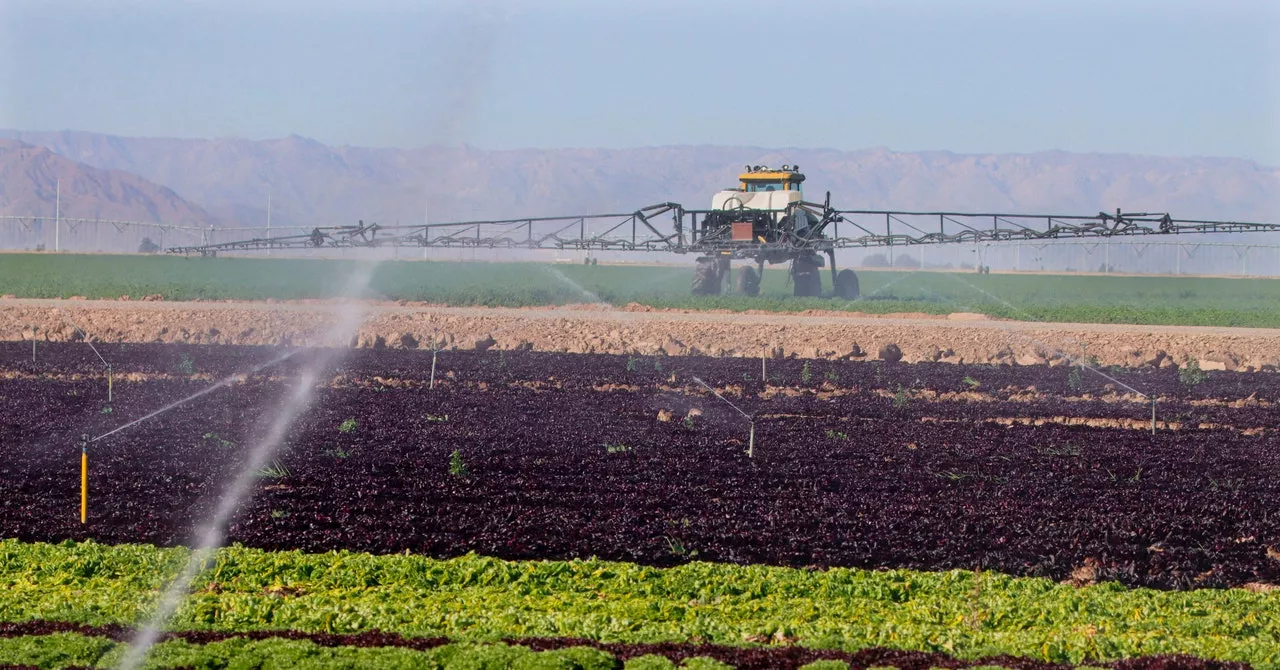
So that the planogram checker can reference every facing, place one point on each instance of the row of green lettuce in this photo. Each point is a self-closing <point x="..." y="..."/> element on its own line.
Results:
<point x="473" y="598"/>
<point x="1035" y="297"/>
<point x="61" y="650"/>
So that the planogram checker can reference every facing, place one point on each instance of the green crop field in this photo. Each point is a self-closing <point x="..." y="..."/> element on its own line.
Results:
<point x="1032" y="297"/>
<point x="484" y="600"/>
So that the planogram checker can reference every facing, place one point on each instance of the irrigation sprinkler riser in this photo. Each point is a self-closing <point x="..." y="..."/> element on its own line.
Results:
<point x="84" y="485"/>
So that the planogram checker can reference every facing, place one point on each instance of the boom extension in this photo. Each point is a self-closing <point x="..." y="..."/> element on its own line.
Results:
<point x="637" y="231"/>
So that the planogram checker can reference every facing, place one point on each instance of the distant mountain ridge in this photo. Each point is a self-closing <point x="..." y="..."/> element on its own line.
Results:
<point x="310" y="183"/>
<point x="35" y="181"/>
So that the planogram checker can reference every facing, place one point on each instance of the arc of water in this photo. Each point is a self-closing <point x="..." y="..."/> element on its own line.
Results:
<point x="211" y="534"/>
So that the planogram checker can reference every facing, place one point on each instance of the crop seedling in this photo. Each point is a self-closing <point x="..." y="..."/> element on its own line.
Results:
<point x="688" y="422"/>
<point x="1227" y="484"/>
<point x="186" y="366"/>
<point x="836" y="435"/>
<point x="676" y="548"/>
<point x="276" y="470"/>
<point x="631" y="363"/>
<point x="106" y="409"/>
<point x="457" y="467"/>
<point x="1191" y="375"/>
<point x="657" y="366"/>
<point x="278" y="514"/>
<point x="972" y="383"/>
<point x="437" y="418"/>
<point x="218" y="441"/>
<point x="831" y="376"/>
<point x="805" y="373"/>
<point x="337" y="452"/>
<point x="617" y="448"/>
<point x="347" y="426"/>
<point x="901" y="397"/>
<point x="1065" y="451"/>
<point x="1075" y="380"/>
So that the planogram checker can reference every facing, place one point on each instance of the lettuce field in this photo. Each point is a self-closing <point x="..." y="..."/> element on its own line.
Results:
<point x="1057" y="298"/>
<point x="526" y="509"/>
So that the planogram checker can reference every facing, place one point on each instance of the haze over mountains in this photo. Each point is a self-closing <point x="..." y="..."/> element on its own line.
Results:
<point x="228" y="181"/>
<point x="33" y="177"/>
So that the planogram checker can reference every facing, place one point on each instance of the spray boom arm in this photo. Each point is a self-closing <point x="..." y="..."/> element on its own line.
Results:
<point x="637" y="231"/>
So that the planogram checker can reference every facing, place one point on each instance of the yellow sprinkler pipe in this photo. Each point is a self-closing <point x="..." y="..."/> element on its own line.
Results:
<point x="84" y="483"/>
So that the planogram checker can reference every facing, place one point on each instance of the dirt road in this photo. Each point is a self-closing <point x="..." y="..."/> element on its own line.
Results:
<point x="641" y="330"/>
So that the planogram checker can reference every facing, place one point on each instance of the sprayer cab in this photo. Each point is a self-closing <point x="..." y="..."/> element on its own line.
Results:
<point x="762" y="189"/>
<point x="766" y="220"/>
<point x="763" y="210"/>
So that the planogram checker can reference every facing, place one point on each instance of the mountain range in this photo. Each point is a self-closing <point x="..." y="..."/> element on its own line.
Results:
<point x="229" y="182"/>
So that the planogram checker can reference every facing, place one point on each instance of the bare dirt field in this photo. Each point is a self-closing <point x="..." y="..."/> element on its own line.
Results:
<point x="958" y="338"/>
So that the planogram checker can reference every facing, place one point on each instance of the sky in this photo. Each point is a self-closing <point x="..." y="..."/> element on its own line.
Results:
<point x="1170" y="77"/>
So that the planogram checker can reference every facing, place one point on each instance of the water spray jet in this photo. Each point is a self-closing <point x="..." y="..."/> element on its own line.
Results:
<point x="203" y="392"/>
<point x="1075" y="360"/>
<point x="751" y="422"/>
<point x="211" y="534"/>
<point x="87" y="340"/>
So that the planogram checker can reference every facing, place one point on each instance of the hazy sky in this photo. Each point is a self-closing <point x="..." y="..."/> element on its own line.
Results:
<point x="1156" y="77"/>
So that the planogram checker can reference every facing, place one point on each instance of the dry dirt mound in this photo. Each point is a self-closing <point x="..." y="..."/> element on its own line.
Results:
<point x="958" y="339"/>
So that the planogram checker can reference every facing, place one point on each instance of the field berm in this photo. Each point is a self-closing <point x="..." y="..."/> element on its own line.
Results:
<point x="641" y="330"/>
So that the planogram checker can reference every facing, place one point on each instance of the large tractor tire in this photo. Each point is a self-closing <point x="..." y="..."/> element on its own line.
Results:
<point x="748" y="281"/>
<point x="847" y="285"/>
<point x="706" y="277"/>
<point x="806" y="275"/>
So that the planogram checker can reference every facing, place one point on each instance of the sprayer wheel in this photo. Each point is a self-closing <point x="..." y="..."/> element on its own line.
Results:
<point x="847" y="285"/>
<point x="706" y="277"/>
<point x="748" y="281"/>
<point x="806" y="277"/>
<point x="808" y="284"/>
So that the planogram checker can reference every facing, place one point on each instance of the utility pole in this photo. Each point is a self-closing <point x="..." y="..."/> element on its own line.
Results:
<point x="57" y="215"/>
<point x="268" y="220"/>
